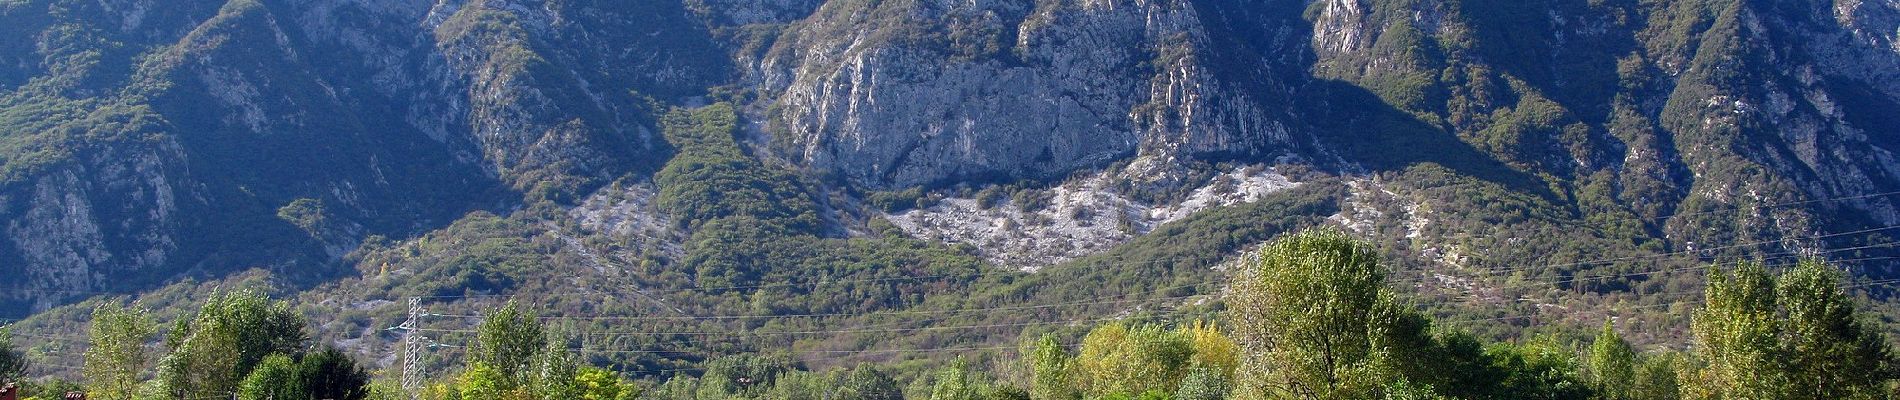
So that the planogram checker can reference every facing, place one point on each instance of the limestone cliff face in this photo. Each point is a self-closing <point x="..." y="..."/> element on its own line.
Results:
<point x="904" y="94"/>
<point x="199" y="137"/>
<point x="1681" y="108"/>
<point x="552" y="86"/>
<point x="1639" y="111"/>
<point x="110" y="214"/>
<point x="753" y="12"/>
<point x="141" y="140"/>
<point x="547" y="93"/>
<point x="1832" y="106"/>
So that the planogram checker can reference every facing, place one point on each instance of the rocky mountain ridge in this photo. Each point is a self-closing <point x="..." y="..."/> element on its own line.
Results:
<point x="143" y="141"/>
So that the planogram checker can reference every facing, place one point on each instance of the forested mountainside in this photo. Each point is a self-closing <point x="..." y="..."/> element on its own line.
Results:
<point x="1523" y="167"/>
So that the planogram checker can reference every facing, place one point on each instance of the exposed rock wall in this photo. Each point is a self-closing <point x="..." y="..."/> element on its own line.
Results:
<point x="111" y="215"/>
<point x="1683" y="108"/>
<point x="278" y="133"/>
<point x="203" y="136"/>
<point x="906" y="94"/>
<point x="1082" y="217"/>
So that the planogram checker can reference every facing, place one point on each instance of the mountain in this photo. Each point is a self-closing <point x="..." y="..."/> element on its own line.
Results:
<point x="149" y="140"/>
<point x="728" y="157"/>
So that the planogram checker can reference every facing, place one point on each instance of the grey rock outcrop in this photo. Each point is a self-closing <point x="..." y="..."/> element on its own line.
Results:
<point x="898" y="95"/>
<point x="245" y="133"/>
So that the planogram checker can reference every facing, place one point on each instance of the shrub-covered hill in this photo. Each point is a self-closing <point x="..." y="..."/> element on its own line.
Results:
<point x="675" y="181"/>
<point x="1309" y="315"/>
<point x="143" y="142"/>
<point x="746" y="276"/>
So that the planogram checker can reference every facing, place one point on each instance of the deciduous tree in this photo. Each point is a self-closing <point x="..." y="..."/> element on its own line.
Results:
<point x="507" y="341"/>
<point x="1737" y="339"/>
<point x="1118" y="359"/>
<point x="1051" y="370"/>
<point x="330" y="374"/>
<point x="233" y="332"/>
<point x="117" y="352"/>
<point x="1612" y="365"/>
<point x="1313" y="320"/>
<point x="1831" y="353"/>
<point x="274" y="378"/>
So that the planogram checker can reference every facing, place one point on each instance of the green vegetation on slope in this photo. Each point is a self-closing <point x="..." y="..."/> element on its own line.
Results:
<point x="1311" y="319"/>
<point x="1510" y="139"/>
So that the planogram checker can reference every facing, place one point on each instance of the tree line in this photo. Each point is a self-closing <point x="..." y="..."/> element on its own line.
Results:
<point x="238" y="344"/>
<point x="1313" y="319"/>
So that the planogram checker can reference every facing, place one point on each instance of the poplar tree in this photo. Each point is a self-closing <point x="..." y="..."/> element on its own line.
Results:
<point x="1656" y="377"/>
<point x="1737" y="339"/>
<point x="1612" y="365"/>
<point x="233" y="332"/>
<point x="117" y="352"/>
<point x="12" y="361"/>
<point x="508" y="341"/>
<point x="1795" y="336"/>
<point x="1051" y="368"/>
<point x="954" y="383"/>
<point x="1831" y="353"/>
